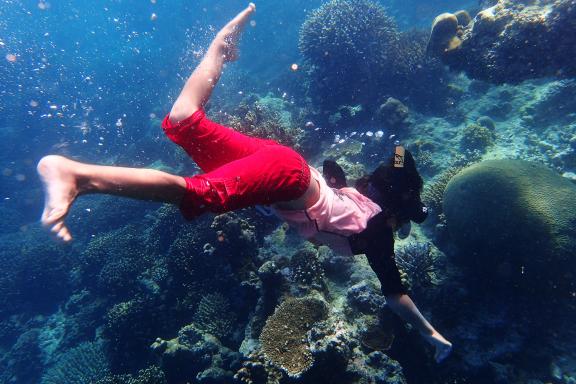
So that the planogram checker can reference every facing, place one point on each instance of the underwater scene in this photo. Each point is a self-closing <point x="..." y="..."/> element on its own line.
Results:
<point x="303" y="191"/>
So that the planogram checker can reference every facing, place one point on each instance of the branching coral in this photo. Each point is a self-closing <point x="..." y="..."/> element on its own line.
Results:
<point x="112" y="261"/>
<point x="348" y="42"/>
<point x="284" y="339"/>
<point x="418" y="262"/>
<point x="150" y="375"/>
<point x="433" y="193"/>
<point x="215" y="316"/>
<point x="356" y="51"/>
<point x="307" y="268"/>
<point x="268" y="117"/>
<point x="85" y="363"/>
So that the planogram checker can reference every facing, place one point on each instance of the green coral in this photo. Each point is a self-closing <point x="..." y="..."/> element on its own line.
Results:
<point x="215" y="316"/>
<point x="527" y="212"/>
<point x="476" y="136"/>
<point x="83" y="364"/>
<point x="283" y="337"/>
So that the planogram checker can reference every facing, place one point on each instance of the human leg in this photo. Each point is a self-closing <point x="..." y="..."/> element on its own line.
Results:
<point x="199" y="86"/>
<point x="270" y="175"/>
<point x="64" y="180"/>
<point x="404" y="307"/>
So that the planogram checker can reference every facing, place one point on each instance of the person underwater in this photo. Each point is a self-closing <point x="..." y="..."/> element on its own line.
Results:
<point x="240" y="171"/>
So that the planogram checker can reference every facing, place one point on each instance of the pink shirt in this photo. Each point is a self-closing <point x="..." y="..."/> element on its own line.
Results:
<point x="337" y="214"/>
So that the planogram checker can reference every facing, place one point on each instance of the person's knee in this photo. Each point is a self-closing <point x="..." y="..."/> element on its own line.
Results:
<point x="181" y="110"/>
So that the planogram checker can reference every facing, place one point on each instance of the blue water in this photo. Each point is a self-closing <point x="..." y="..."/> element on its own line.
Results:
<point x="91" y="79"/>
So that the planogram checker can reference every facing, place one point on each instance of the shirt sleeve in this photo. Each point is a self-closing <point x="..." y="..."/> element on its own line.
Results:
<point x="377" y="243"/>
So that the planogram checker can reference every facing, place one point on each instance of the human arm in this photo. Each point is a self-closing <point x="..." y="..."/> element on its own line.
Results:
<point x="377" y="243"/>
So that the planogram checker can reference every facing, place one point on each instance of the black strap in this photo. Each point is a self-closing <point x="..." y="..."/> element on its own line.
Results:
<point x="333" y="174"/>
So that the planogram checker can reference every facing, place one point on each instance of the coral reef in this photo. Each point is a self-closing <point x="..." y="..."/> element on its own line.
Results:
<point x="356" y="43"/>
<point x="307" y="269"/>
<point x="284" y="335"/>
<point x="113" y="260"/>
<point x="417" y="261"/>
<point x="509" y="42"/>
<point x="527" y="213"/>
<point x="150" y="375"/>
<point x="394" y="115"/>
<point x="195" y="355"/>
<point x="269" y="117"/>
<point x="365" y="297"/>
<point x="34" y="274"/>
<point x="433" y="193"/>
<point x="347" y="42"/>
<point x="85" y="363"/>
<point x="215" y="316"/>
<point x="477" y="137"/>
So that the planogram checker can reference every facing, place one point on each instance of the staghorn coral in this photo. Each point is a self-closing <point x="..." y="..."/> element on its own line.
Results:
<point x="418" y="262"/>
<point x="283" y="337"/>
<point x="83" y="364"/>
<point x="214" y="315"/>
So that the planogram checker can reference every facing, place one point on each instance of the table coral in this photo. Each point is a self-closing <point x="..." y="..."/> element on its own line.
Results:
<point x="284" y="340"/>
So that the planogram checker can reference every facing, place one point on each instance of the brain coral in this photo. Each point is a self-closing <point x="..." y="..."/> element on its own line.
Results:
<point x="514" y="222"/>
<point x="284" y="339"/>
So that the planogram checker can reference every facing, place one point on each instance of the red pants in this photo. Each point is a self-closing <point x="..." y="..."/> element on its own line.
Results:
<point x="239" y="171"/>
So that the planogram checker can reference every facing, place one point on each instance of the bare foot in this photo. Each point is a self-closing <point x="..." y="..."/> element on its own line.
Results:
<point x="228" y="37"/>
<point x="60" y="188"/>
<point x="442" y="346"/>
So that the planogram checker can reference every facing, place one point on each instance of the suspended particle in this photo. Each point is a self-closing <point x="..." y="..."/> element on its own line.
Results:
<point x="309" y="124"/>
<point x="252" y="23"/>
<point x="153" y="17"/>
<point x="294" y="67"/>
<point x="379" y="134"/>
<point x="11" y="58"/>
<point x="119" y="123"/>
<point x="33" y="103"/>
<point x="153" y="1"/>
<point x="369" y="133"/>
<point x="152" y="116"/>
<point x="42" y="5"/>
